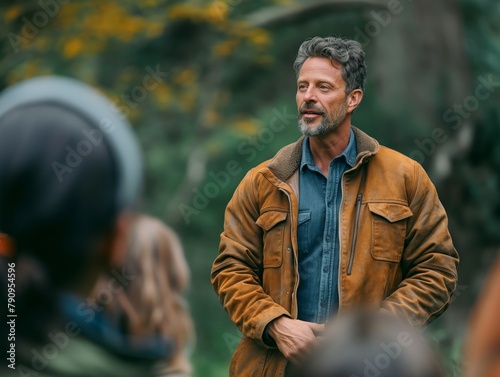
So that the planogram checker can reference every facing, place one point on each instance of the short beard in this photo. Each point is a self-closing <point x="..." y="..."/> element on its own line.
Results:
<point x="327" y="124"/>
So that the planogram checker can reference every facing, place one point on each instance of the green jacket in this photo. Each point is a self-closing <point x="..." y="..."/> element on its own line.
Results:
<point x="81" y="358"/>
<point x="81" y="345"/>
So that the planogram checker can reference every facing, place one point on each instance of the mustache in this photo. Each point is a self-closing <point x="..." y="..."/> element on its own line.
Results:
<point x="310" y="106"/>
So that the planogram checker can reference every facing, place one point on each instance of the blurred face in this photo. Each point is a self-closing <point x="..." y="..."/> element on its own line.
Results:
<point x="321" y="97"/>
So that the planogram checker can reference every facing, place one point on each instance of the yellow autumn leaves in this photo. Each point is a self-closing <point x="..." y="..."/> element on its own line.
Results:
<point x="76" y="33"/>
<point x="217" y="14"/>
<point x="101" y="23"/>
<point x="214" y="12"/>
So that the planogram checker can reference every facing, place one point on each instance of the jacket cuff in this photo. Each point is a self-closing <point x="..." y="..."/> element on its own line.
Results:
<point x="261" y="333"/>
<point x="268" y="339"/>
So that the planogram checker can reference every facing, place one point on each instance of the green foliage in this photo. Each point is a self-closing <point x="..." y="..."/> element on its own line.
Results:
<point x="222" y="82"/>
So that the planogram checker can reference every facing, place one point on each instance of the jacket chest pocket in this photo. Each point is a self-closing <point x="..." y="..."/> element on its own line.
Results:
<point x="303" y="227"/>
<point x="273" y="226"/>
<point x="388" y="230"/>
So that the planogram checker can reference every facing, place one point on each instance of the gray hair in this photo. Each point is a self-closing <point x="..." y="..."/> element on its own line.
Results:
<point x="346" y="52"/>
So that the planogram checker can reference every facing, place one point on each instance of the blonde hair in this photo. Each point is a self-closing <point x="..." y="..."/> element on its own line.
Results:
<point x="152" y="303"/>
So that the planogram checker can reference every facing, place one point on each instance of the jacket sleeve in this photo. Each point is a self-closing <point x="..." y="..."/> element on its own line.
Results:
<point x="237" y="271"/>
<point x="429" y="260"/>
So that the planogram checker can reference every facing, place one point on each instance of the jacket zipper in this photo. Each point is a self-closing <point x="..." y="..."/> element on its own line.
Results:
<point x="359" y="200"/>
<point x="355" y="233"/>
<point x="293" y="253"/>
<point x="340" y="241"/>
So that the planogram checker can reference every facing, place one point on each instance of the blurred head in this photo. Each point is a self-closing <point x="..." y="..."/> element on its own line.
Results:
<point x="70" y="168"/>
<point x="161" y="275"/>
<point x="153" y="303"/>
<point x="481" y="348"/>
<point x="331" y="77"/>
<point x="371" y="344"/>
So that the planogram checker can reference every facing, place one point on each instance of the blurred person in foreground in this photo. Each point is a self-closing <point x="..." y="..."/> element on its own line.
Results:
<point x="482" y="344"/>
<point x="332" y="222"/>
<point x="152" y="302"/>
<point x="371" y="344"/>
<point x="71" y="173"/>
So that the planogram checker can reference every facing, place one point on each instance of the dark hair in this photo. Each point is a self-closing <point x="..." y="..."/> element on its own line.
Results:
<point x="54" y="202"/>
<point x="346" y="52"/>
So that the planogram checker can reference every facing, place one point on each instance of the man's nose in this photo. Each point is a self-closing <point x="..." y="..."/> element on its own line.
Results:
<point x="310" y="95"/>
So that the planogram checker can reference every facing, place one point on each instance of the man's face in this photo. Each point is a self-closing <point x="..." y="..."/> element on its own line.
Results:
<point x="321" y="98"/>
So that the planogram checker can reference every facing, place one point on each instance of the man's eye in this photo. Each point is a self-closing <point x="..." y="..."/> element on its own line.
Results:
<point x="323" y="87"/>
<point x="302" y="87"/>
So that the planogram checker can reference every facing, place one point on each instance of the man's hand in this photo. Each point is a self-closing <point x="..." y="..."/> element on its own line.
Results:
<point x="294" y="338"/>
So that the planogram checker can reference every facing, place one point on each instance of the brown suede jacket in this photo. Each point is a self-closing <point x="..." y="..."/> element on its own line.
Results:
<point x="395" y="249"/>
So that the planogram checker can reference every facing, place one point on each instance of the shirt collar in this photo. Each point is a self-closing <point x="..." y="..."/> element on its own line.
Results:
<point x="349" y="154"/>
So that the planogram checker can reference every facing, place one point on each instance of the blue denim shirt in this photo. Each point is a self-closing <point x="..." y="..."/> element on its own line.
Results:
<point x="318" y="235"/>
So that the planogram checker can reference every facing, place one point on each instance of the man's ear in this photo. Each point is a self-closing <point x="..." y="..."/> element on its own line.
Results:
<point x="353" y="99"/>
<point x="115" y="251"/>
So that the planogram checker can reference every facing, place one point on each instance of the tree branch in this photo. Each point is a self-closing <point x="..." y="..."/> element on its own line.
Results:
<point x="278" y="16"/>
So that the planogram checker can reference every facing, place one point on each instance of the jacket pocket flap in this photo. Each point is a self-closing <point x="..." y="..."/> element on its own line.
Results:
<point x="392" y="212"/>
<point x="269" y="219"/>
<point x="303" y="217"/>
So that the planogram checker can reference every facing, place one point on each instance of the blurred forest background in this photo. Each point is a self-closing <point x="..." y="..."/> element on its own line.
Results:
<point x="210" y="90"/>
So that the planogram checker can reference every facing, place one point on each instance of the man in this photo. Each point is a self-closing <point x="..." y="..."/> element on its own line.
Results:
<point x="333" y="222"/>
